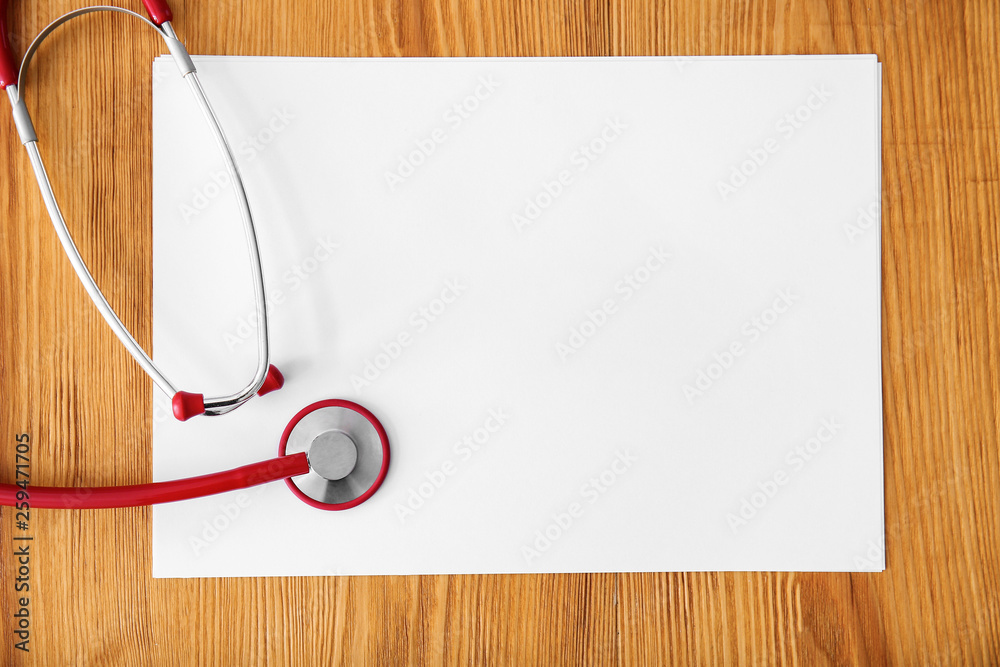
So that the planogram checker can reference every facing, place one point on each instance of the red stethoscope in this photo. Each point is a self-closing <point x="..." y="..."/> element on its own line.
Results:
<point x="333" y="454"/>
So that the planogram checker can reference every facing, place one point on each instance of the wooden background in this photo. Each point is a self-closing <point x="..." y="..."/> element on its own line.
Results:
<point x="66" y="381"/>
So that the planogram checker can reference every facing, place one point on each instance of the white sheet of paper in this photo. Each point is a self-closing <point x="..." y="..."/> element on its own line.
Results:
<point x="615" y="314"/>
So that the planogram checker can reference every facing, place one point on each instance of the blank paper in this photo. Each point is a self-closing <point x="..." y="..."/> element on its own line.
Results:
<point x="616" y="314"/>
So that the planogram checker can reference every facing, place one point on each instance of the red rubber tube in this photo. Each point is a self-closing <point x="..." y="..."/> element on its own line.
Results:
<point x="104" y="497"/>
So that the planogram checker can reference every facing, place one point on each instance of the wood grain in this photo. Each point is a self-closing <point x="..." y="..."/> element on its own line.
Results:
<point x="66" y="381"/>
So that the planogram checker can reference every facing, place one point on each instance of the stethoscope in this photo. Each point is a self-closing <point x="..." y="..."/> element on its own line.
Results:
<point x="333" y="454"/>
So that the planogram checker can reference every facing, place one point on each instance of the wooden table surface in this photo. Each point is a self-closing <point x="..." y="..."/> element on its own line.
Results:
<point x="67" y="383"/>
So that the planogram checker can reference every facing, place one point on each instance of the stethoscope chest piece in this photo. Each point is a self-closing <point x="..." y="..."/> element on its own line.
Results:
<point x="348" y="453"/>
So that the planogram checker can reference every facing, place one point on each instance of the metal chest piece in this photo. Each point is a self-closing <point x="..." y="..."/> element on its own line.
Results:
<point x="348" y="453"/>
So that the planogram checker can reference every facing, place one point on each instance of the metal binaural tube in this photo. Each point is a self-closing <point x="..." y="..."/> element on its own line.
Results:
<point x="265" y="378"/>
<point x="227" y="403"/>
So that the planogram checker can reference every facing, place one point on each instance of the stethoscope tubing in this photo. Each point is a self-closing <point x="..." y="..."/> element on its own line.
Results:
<point x="106" y="497"/>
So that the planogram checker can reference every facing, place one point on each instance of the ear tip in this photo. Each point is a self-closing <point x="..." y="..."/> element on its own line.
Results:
<point x="187" y="405"/>
<point x="159" y="11"/>
<point x="273" y="382"/>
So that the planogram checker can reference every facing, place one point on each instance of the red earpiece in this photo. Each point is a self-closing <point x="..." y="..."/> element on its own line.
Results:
<point x="159" y="11"/>
<point x="8" y="64"/>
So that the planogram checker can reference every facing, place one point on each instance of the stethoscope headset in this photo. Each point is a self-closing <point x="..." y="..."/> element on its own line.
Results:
<point x="333" y="454"/>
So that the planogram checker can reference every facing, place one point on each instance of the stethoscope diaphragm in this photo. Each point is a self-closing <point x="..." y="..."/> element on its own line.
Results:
<point x="348" y="453"/>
